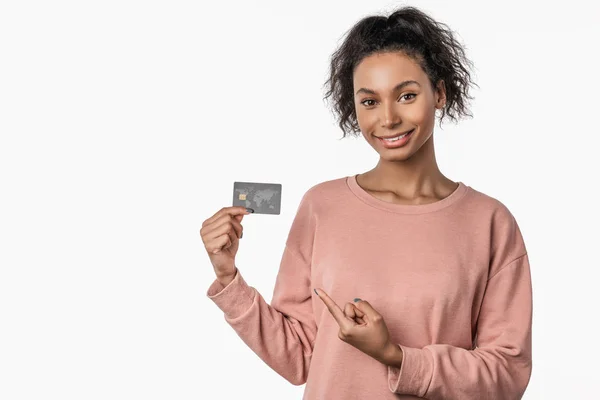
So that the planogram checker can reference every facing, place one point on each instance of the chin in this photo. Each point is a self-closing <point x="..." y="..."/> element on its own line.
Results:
<point x="418" y="144"/>
<point x="398" y="156"/>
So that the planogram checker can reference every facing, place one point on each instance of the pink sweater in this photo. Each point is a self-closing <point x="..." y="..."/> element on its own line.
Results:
<point x="451" y="279"/>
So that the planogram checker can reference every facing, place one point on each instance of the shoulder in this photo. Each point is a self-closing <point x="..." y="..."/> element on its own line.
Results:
<point x="494" y="216"/>
<point x="313" y="205"/>
<point x="485" y="205"/>
<point x="326" y="191"/>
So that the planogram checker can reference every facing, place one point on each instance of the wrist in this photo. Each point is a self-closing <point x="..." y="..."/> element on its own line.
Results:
<point x="393" y="356"/>
<point x="226" y="279"/>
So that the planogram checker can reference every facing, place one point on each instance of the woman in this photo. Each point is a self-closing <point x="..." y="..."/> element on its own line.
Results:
<point x="442" y="268"/>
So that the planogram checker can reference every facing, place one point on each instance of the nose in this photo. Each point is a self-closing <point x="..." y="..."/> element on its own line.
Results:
<point x="390" y="117"/>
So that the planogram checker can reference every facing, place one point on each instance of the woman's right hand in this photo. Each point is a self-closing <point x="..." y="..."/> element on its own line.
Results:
<point x="220" y="234"/>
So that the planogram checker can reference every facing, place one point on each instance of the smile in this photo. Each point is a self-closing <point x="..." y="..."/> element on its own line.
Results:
<point x="396" y="141"/>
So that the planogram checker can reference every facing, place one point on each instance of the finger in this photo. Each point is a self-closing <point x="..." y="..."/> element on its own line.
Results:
<point x="349" y="310"/>
<point x="360" y="316"/>
<point x="352" y="312"/>
<point x="239" y="218"/>
<point x="370" y="314"/>
<point x="221" y="226"/>
<point x="224" y="219"/>
<point x="218" y="244"/>
<point x="234" y="210"/>
<point x="214" y="239"/>
<point x="224" y="230"/>
<point x="357" y="311"/>
<point x="236" y="225"/>
<point x="334" y="309"/>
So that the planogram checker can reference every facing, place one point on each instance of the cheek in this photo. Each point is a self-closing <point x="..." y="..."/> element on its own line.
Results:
<point x="420" y="114"/>
<point x="365" y="119"/>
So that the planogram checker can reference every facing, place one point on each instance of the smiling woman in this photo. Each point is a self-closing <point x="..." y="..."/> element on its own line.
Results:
<point x="413" y="37"/>
<point x="442" y="268"/>
<point x="390" y="119"/>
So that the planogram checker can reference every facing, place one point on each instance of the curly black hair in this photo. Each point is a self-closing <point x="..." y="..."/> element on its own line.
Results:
<point x="411" y="31"/>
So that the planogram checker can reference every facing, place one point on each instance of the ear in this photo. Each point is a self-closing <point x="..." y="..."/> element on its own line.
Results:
<point x="440" y="100"/>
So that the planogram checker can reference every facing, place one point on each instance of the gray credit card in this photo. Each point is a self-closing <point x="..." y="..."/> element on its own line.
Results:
<point x="263" y="198"/>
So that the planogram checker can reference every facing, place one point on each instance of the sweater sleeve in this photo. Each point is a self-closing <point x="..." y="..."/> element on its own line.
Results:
<point x="499" y="367"/>
<point x="282" y="334"/>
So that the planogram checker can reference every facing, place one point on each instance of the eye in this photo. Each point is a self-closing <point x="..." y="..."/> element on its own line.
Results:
<point x="403" y="96"/>
<point x="364" y="101"/>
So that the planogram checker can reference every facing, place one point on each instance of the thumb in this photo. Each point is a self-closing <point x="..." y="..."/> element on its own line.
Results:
<point x="357" y="311"/>
<point x="367" y="309"/>
<point x="359" y="315"/>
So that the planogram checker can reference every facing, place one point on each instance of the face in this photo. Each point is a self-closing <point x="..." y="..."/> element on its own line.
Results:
<point x="393" y="96"/>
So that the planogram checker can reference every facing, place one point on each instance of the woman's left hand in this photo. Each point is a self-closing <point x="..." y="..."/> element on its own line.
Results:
<point x="362" y="327"/>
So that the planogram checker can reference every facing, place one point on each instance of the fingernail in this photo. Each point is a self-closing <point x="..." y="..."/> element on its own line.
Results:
<point x="316" y="291"/>
<point x="249" y="210"/>
<point x="356" y="299"/>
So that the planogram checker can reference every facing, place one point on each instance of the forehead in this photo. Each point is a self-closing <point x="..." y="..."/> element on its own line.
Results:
<point x="384" y="71"/>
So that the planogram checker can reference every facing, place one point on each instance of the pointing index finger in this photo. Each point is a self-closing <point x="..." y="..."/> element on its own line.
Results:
<point x="336" y="311"/>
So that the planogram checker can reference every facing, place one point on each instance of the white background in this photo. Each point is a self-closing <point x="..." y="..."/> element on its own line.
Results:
<point x="124" y="124"/>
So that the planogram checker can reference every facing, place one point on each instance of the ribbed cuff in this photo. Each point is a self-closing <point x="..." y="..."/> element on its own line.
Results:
<point x="235" y="298"/>
<point x="414" y="375"/>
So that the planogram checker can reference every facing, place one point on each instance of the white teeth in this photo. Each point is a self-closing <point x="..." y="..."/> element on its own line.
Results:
<point x="396" y="138"/>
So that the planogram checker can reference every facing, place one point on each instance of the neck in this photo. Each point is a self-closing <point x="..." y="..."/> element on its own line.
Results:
<point x="419" y="174"/>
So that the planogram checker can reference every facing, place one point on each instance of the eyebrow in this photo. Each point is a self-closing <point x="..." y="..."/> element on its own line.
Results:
<point x="397" y="87"/>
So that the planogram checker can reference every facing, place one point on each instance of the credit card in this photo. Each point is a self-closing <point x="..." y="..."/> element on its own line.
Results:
<point x="263" y="198"/>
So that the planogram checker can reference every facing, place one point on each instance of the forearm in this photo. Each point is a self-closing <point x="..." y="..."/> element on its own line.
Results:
<point x="281" y="335"/>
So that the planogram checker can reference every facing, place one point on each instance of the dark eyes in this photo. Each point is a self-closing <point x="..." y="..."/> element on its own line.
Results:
<point x="407" y="94"/>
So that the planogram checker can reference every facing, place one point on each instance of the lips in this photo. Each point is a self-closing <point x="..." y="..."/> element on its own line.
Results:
<point x="396" y="135"/>
<point x="398" y="143"/>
